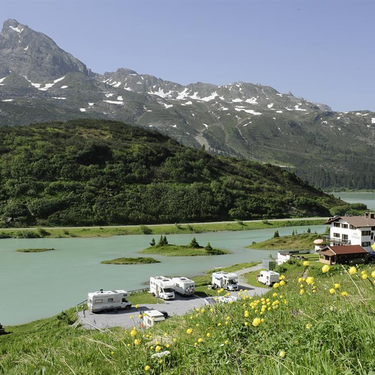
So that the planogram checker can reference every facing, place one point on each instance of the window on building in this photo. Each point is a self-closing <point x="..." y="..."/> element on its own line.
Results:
<point x="372" y="228"/>
<point x="366" y="233"/>
<point x="344" y="226"/>
<point x="345" y="237"/>
<point x="110" y="299"/>
<point x="98" y="301"/>
<point x="336" y="235"/>
<point x="366" y="244"/>
<point x="352" y="227"/>
<point x="337" y="225"/>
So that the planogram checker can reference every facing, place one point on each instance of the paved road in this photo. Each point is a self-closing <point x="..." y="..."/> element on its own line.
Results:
<point x="179" y="306"/>
<point x="158" y="225"/>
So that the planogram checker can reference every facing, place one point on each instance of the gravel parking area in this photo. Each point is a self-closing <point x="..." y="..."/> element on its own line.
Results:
<point x="129" y="318"/>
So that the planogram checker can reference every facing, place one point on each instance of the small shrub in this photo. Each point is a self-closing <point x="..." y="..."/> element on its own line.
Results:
<point x="194" y="244"/>
<point x="276" y="234"/>
<point x="145" y="229"/>
<point x="43" y="232"/>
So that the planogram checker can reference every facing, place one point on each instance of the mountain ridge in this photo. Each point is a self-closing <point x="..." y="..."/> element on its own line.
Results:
<point x="240" y="119"/>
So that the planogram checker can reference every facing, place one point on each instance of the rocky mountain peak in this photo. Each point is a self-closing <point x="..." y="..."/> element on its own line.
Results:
<point x="12" y="24"/>
<point x="34" y="55"/>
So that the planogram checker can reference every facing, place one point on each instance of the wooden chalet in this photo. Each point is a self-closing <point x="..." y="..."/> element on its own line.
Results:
<point x="343" y="254"/>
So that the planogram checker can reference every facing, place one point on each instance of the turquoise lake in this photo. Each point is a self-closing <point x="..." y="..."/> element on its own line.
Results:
<point x="38" y="285"/>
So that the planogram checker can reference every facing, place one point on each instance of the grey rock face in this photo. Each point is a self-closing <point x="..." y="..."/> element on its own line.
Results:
<point x="34" y="55"/>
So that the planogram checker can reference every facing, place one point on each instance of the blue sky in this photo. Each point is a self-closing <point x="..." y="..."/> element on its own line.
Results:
<point x="321" y="50"/>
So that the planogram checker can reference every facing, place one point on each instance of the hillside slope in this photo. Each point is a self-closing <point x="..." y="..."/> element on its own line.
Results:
<point x="86" y="172"/>
<point x="319" y="325"/>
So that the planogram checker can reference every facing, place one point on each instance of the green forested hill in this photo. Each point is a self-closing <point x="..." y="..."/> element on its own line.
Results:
<point x="87" y="172"/>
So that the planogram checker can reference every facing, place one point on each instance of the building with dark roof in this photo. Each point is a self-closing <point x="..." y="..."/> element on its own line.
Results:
<point x="344" y="254"/>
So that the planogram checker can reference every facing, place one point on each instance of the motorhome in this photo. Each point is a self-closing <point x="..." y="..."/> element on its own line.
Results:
<point x="268" y="277"/>
<point x="162" y="287"/>
<point x="225" y="280"/>
<point x="183" y="286"/>
<point x="151" y="317"/>
<point x="108" y="300"/>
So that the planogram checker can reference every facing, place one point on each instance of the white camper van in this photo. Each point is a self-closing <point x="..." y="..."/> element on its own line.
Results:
<point x="268" y="277"/>
<point x="162" y="287"/>
<point x="225" y="280"/>
<point x="184" y="286"/>
<point x="151" y="317"/>
<point x="108" y="300"/>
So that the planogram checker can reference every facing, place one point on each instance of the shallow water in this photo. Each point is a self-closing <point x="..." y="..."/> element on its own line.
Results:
<point x="360" y="197"/>
<point x="38" y="285"/>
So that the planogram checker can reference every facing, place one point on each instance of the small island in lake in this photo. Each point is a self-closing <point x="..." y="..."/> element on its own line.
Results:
<point x="303" y="241"/>
<point x="193" y="249"/>
<point x="139" y="260"/>
<point x="34" y="250"/>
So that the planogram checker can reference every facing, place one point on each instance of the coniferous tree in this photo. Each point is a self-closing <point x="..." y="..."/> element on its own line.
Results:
<point x="194" y="244"/>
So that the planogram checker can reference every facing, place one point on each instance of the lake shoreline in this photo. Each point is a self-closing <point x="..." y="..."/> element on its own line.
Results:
<point x="155" y="229"/>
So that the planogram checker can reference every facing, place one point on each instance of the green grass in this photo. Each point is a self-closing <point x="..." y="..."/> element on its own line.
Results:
<point x="181" y="250"/>
<point x="235" y="267"/>
<point x="34" y="250"/>
<point x="108" y="231"/>
<point x="312" y="333"/>
<point x="139" y="260"/>
<point x="251" y="278"/>
<point x="143" y="297"/>
<point x="304" y="241"/>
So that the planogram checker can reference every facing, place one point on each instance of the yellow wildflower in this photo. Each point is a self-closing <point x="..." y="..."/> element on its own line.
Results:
<point x="147" y="368"/>
<point x="208" y="334"/>
<point x="302" y="291"/>
<point x="373" y="274"/>
<point x="136" y="306"/>
<point x="256" y="322"/>
<point x="246" y="314"/>
<point x="282" y="354"/>
<point x="137" y="342"/>
<point x="337" y="286"/>
<point x="364" y="276"/>
<point x="326" y="268"/>
<point x="306" y="263"/>
<point x="189" y="331"/>
<point x="308" y="326"/>
<point x="344" y="294"/>
<point x="276" y="285"/>
<point x="133" y="332"/>
<point x="158" y="348"/>
<point x="352" y="270"/>
<point x="282" y="283"/>
<point x="310" y="280"/>
<point x="332" y="290"/>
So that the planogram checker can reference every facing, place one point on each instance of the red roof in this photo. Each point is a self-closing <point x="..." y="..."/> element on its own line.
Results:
<point x="348" y="249"/>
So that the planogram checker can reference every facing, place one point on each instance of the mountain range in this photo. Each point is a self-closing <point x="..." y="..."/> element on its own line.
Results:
<point x="40" y="82"/>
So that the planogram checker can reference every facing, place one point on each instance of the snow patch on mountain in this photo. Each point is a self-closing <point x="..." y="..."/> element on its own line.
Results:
<point x="252" y="100"/>
<point x="210" y="97"/>
<point x="17" y="29"/>
<point x="113" y="102"/>
<point x="239" y="109"/>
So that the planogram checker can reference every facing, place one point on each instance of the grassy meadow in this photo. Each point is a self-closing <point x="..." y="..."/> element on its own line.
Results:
<point x="322" y="323"/>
